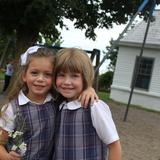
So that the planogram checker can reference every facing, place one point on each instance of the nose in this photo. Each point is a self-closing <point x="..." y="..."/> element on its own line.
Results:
<point x="67" y="80"/>
<point x="40" y="77"/>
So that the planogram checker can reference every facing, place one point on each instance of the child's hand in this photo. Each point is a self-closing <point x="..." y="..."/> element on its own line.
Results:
<point x="14" y="156"/>
<point x="88" y="96"/>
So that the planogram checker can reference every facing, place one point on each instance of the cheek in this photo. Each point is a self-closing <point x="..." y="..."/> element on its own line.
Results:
<point x="49" y="81"/>
<point x="80" y="82"/>
<point x="81" y="86"/>
<point x="58" y="82"/>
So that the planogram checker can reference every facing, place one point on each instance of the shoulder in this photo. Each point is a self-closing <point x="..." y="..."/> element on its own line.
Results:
<point x="100" y="110"/>
<point x="9" y="65"/>
<point x="100" y="106"/>
<point x="99" y="102"/>
<point x="103" y="122"/>
<point x="7" y="109"/>
<point x="7" y="117"/>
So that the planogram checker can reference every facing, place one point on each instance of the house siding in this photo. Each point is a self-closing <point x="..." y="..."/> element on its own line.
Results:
<point x="124" y="67"/>
<point x="120" y="89"/>
<point x="130" y="47"/>
<point x="155" y="81"/>
<point x="149" y="101"/>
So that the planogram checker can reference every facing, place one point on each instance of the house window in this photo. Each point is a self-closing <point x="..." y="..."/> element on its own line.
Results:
<point x="144" y="72"/>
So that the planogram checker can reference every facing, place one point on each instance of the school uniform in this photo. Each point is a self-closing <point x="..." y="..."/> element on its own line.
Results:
<point x="83" y="134"/>
<point x="39" y="125"/>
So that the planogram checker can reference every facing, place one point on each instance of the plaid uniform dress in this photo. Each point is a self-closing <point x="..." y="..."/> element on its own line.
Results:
<point x="77" y="138"/>
<point x="39" y="129"/>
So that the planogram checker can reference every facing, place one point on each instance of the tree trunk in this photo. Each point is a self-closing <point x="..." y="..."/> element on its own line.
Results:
<point x="4" y="52"/>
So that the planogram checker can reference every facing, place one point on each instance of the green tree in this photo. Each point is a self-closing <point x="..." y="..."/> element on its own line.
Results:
<point x="111" y="55"/>
<point x="105" y="81"/>
<point x="31" y="19"/>
<point x="7" y="48"/>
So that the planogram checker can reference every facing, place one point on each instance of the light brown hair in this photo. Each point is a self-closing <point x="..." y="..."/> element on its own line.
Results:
<point x="17" y="83"/>
<point x="75" y="60"/>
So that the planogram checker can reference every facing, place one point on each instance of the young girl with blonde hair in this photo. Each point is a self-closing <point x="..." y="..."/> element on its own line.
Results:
<point x="81" y="133"/>
<point x="30" y="112"/>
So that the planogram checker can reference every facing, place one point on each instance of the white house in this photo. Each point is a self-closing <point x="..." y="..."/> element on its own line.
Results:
<point x="147" y="88"/>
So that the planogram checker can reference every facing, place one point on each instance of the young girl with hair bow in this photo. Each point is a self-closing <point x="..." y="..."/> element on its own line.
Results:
<point x="27" y="121"/>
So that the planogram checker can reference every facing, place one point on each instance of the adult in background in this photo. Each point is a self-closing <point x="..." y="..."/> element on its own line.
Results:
<point x="8" y="74"/>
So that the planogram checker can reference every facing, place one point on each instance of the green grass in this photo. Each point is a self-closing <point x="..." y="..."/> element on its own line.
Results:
<point x="103" y="96"/>
<point x="1" y="75"/>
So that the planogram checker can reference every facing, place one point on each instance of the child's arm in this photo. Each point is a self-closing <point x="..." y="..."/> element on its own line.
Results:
<point x="88" y="96"/>
<point x="4" y="155"/>
<point x="114" y="151"/>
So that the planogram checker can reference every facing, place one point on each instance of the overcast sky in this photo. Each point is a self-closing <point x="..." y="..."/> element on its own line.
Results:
<point x="76" y="38"/>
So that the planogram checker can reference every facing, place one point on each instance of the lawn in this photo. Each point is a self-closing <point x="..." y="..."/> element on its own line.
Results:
<point x="103" y="96"/>
<point x="1" y="75"/>
<point x="1" y="78"/>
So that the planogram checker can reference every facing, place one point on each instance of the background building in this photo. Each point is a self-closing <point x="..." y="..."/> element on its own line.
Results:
<point x="147" y="88"/>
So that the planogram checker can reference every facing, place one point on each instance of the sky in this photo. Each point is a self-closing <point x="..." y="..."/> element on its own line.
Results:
<point x="76" y="38"/>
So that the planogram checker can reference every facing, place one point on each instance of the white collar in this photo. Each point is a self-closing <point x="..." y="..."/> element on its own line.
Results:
<point x="22" y="99"/>
<point x="72" y="105"/>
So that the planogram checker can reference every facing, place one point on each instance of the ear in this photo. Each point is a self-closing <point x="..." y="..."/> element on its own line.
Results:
<point x="24" y="77"/>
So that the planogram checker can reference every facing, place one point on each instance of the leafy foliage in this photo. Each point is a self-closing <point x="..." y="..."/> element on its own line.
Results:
<point x="31" y="19"/>
<point x="105" y="81"/>
<point x="111" y="55"/>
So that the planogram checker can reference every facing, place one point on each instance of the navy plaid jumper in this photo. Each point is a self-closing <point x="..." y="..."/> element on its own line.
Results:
<point x="39" y="129"/>
<point x="76" y="138"/>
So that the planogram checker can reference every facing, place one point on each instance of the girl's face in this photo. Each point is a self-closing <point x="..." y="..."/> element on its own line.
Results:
<point x="38" y="78"/>
<point x="69" y="84"/>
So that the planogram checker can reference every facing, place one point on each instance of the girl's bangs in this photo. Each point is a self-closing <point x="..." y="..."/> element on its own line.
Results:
<point x="70" y="65"/>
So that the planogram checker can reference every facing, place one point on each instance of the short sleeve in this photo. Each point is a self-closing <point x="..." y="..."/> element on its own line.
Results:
<point x="103" y="122"/>
<point x="7" y="118"/>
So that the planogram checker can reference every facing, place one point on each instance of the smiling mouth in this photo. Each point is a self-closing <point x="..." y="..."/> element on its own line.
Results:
<point x="38" y="86"/>
<point x="64" y="88"/>
<point x="67" y="89"/>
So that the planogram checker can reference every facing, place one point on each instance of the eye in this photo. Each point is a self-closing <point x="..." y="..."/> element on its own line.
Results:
<point x="34" y="73"/>
<point x="48" y="74"/>
<point x="60" y="74"/>
<point x="76" y="75"/>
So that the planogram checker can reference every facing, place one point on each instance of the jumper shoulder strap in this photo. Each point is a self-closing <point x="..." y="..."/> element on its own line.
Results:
<point x="14" y="107"/>
<point x="19" y="119"/>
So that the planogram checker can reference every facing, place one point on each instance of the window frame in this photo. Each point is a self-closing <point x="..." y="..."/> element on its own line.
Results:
<point x="141" y="74"/>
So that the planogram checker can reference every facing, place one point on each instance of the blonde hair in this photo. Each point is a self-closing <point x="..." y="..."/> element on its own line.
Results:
<point x="18" y="83"/>
<point x="75" y="60"/>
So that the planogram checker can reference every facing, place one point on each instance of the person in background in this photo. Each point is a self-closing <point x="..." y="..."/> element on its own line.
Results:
<point x="27" y="121"/>
<point x="8" y="74"/>
<point x="85" y="134"/>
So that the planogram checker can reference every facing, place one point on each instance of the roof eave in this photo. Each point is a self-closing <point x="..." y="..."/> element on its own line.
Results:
<point x="139" y="44"/>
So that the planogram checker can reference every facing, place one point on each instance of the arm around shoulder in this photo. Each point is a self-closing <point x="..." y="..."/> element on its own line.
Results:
<point x="114" y="151"/>
<point x="88" y="96"/>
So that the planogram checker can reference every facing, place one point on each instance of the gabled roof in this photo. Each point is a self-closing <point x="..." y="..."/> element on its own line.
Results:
<point x="135" y="36"/>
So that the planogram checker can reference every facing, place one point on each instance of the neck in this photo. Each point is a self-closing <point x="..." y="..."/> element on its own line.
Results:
<point x="37" y="99"/>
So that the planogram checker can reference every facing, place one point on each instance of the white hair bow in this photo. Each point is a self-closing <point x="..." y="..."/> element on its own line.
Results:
<point x="30" y="50"/>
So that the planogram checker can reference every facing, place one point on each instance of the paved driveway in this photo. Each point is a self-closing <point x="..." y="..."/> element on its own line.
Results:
<point x="140" y="134"/>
